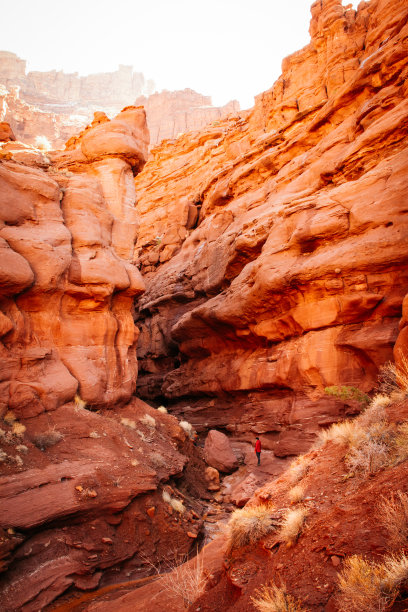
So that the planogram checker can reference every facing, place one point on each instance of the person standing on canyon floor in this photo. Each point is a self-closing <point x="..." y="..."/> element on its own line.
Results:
<point x="258" y="448"/>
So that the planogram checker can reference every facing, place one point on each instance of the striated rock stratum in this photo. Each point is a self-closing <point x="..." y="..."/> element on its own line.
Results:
<point x="274" y="245"/>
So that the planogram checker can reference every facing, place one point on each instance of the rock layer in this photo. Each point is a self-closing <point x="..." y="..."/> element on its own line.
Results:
<point x="274" y="245"/>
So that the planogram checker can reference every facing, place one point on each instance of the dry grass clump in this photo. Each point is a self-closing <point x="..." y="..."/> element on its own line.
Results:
<point x="47" y="439"/>
<point x="187" y="427"/>
<point x="166" y="497"/>
<point x="128" y="423"/>
<point x="42" y="143"/>
<point x="177" y="505"/>
<point x="162" y="409"/>
<point x="22" y="448"/>
<point x="375" y="412"/>
<point x="292" y="525"/>
<point x="185" y="581"/>
<point x="248" y="525"/>
<point x="346" y="432"/>
<point x="271" y="598"/>
<point x="9" y="417"/>
<point x="366" y="585"/>
<point x="392" y="514"/>
<point x="148" y="420"/>
<point x="157" y="459"/>
<point x="298" y="468"/>
<point x="297" y="494"/>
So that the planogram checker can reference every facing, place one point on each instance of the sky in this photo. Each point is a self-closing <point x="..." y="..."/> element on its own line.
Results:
<point x="227" y="49"/>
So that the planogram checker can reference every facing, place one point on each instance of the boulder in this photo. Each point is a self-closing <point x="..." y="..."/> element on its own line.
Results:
<point x="218" y="452"/>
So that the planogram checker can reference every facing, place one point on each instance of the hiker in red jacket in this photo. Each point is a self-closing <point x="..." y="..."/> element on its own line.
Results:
<point x="258" y="448"/>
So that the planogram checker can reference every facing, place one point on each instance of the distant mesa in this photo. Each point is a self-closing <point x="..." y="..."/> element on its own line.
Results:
<point x="57" y="105"/>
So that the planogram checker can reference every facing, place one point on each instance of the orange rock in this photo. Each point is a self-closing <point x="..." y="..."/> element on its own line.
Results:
<point x="151" y="511"/>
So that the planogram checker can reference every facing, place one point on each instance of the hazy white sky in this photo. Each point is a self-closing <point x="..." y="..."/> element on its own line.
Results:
<point x="223" y="48"/>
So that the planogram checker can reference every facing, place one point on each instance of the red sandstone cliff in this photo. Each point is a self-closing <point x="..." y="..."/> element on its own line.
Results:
<point x="274" y="245"/>
<point x="80" y="489"/>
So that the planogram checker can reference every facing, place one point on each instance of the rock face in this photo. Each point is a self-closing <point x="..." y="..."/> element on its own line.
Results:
<point x="274" y="245"/>
<point x="170" y="113"/>
<point x="218" y="452"/>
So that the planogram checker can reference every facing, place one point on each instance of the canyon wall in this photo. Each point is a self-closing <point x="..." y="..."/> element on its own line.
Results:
<point x="171" y="113"/>
<point x="58" y="105"/>
<point x="274" y="244"/>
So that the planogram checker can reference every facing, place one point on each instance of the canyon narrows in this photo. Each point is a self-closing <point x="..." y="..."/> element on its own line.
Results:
<point x="232" y="274"/>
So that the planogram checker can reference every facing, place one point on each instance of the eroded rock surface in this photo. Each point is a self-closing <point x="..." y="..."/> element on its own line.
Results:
<point x="274" y="245"/>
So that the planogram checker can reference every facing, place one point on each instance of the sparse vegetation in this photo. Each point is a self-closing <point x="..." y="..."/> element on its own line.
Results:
<point x="248" y="525"/>
<point x="162" y="409"/>
<point x="366" y="585"/>
<point x="166" y="497"/>
<point x="297" y="494"/>
<point x="293" y="524"/>
<point x="392" y="514"/>
<point x="271" y="598"/>
<point x="347" y="394"/>
<point x="47" y="439"/>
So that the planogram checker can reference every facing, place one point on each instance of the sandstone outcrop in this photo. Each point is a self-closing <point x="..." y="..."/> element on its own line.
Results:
<point x="274" y="244"/>
<point x="171" y="113"/>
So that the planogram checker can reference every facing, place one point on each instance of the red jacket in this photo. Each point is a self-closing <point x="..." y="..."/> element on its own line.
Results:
<point x="258" y="446"/>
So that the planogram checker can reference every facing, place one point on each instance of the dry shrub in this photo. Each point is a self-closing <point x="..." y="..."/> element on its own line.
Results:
<point x="47" y="439"/>
<point x="298" y="468"/>
<point x="297" y="494"/>
<point x="271" y="598"/>
<point x="148" y="420"/>
<point x="365" y="585"/>
<point x="248" y="525"/>
<point x="187" y="427"/>
<point x="22" y="448"/>
<point x="381" y="445"/>
<point x="162" y="409"/>
<point x="393" y="516"/>
<point x="394" y="378"/>
<point x="292" y="525"/>
<point x="18" y="429"/>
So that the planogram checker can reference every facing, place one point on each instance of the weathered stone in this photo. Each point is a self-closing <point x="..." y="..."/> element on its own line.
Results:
<point x="218" y="452"/>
